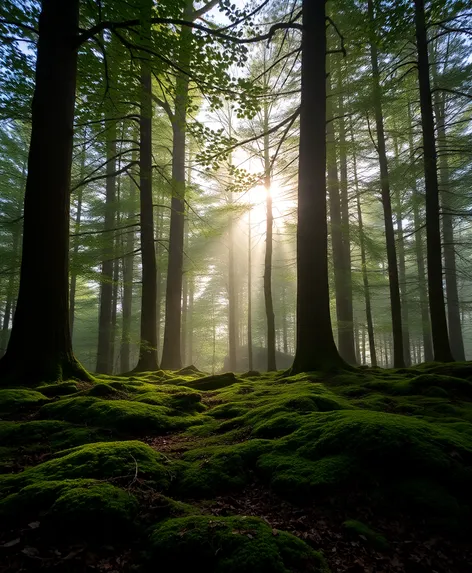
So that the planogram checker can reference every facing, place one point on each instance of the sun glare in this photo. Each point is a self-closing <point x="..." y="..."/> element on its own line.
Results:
<point x="258" y="201"/>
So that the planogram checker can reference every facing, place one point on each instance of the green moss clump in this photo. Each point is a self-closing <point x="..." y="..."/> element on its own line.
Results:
<point x="102" y="390"/>
<point x="120" y="415"/>
<point x="228" y="410"/>
<point x="15" y="400"/>
<point x="95" y="509"/>
<point x="180" y="401"/>
<point x="359" y="529"/>
<point x="60" y="389"/>
<point x="230" y="545"/>
<point x="214" y="382"/>
<point x="117" y="460"/>
<point x="216" y="469"/>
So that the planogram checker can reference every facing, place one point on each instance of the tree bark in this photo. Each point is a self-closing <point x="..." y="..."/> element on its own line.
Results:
<point x="106" y="278"/>
<point x="423" y="294"/>
<point x="442" y="351"/>
<point x="398" y="358"/>
<point x="171" y="356"/>
<point x="40" y="347"/>
<point x="269" y="303"/>
<point x="343" y="301"/>
<point x="128" y="275"/>
<point x="148" y="344"/>
<point x="452" y="292"/>
<point x="232" y="302"/>
<point x="316" y="349"/>
<point x="250" y="354"/>
<point x="75" y="251"/>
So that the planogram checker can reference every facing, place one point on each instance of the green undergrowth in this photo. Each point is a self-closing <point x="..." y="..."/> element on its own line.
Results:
<point x="397" y="440"/>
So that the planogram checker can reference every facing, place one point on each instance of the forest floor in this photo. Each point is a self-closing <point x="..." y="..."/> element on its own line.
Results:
<point x="365" y="471"/>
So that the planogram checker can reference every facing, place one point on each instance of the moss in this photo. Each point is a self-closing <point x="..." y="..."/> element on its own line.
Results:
<point x="109" y="460"/>
<point x="120" y="415"/>
<point x="295" y="477"/>
<point x="60" y="389"/>
<point x="15" y="400"/>
<point x="251" y="374"/>
<point x="208" y="471"/>
<point x="180" y="401"/>
<point x="190" y="370"/>
<point x="54" y="435"/>
<point x="102" y="390"/>
<point x="96" y="509"/>
<point x="229" y="545"/>
<point x="228" y="410"/>
<point x="358" y="529"/>
<point x="278" y="426"/>
<point x="213" y="382"/>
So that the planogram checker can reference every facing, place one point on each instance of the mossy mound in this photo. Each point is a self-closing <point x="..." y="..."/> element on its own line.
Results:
<point x="121" y="461"/>
<point x="60" y="389"/>
<point x="357" y="530"/>
<point x="181" y="401"/>
<point x="16" y="400"/>
<point x="103" y="390"/>
<point x="74" y="507"/>
<point x="120" y="415"/>
<point x="212" y="382"/>
<point x="230" y="545"/>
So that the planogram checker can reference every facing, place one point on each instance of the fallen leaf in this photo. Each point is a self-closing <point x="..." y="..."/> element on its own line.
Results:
<point x="275" y="532"/>
<point x="11" y="543"/>
<point x="30" y="551"/>
<point x="34" y="524"/>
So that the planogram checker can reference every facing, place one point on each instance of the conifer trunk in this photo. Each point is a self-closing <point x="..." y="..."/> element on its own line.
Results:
<point x="442" y="350"/>
<point x="395" y="304"/>
<point x="250" y="358"/>
<point x="315" y="343"/>
<point x="40" y="347"/>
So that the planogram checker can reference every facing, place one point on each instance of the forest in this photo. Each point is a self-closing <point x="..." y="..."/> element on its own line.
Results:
<point x="236" y="286"/>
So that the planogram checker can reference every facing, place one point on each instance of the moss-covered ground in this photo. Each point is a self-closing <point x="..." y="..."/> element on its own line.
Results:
<point x="171" y="471"/>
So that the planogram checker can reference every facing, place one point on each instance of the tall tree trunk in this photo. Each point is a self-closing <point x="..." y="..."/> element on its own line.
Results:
<point x="269" y="304"/>
<point x="398" y="359"/>
<point x="128" y="275"/>
<point x="348" y="315"/>
<point x="452" y="292"/>
<point x="10" y="301"/>
<point x="148" y="344"/>
<point x="40" y="347"/>
<point x="250" y="355"/>
<point x="183" y="332"/>
<point x="171" y="357"/>
<point x="191" y="295"/>
<point x="160" y="282"/>
<point x="423" y="294"/>
<point x="75" y="251"/>
<point x="402" y="270"/>
<point x="343" y="304"/>
<point x="284" y="320"/>
<point x="442" y="351"/>
<point x="232" y="302"/>
<point x="315" y="343"/>
<point x="106" y="277"/>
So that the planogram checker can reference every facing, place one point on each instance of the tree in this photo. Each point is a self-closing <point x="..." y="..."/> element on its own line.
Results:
<point x="315" y="344"/>
<point x="42" y="311"/>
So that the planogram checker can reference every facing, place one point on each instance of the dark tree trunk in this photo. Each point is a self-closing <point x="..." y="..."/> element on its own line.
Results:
<point x="128" y="275"/>
<point x="269" y="303"/>
<point x="160" y="281"/>
<point x="10" y="301"/>
<point x="402" y="270"/>
<point x="106" y="278"/>
<point x="452" y="292"/>
<point x="183" y="332"/>
<point x="232" y="302"/>
<point x="75" y="251"/>
<point x="249" y="295"/>
<point x="148" y="344"/>
<point x="171" y="357"/>
<point x="315" y="343"/>
<point x="442" y="351"/>
<point x="348" y="315"/>
<point x="398" y="359"/>
<point x="423" y="294"/>
<point x="343" y="300"/>
<point x="40" y="347"/>
<point x="191" y="295"/>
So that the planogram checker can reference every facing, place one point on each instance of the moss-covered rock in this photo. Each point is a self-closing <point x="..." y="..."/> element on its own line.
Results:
<point x="16" y="400"/>
<point x="120" y="415"/>
<point x="110" y="460"/>
<point x="230" y="545"/>
<point x="102" y="390"/>
<point x="358" y="529"/>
